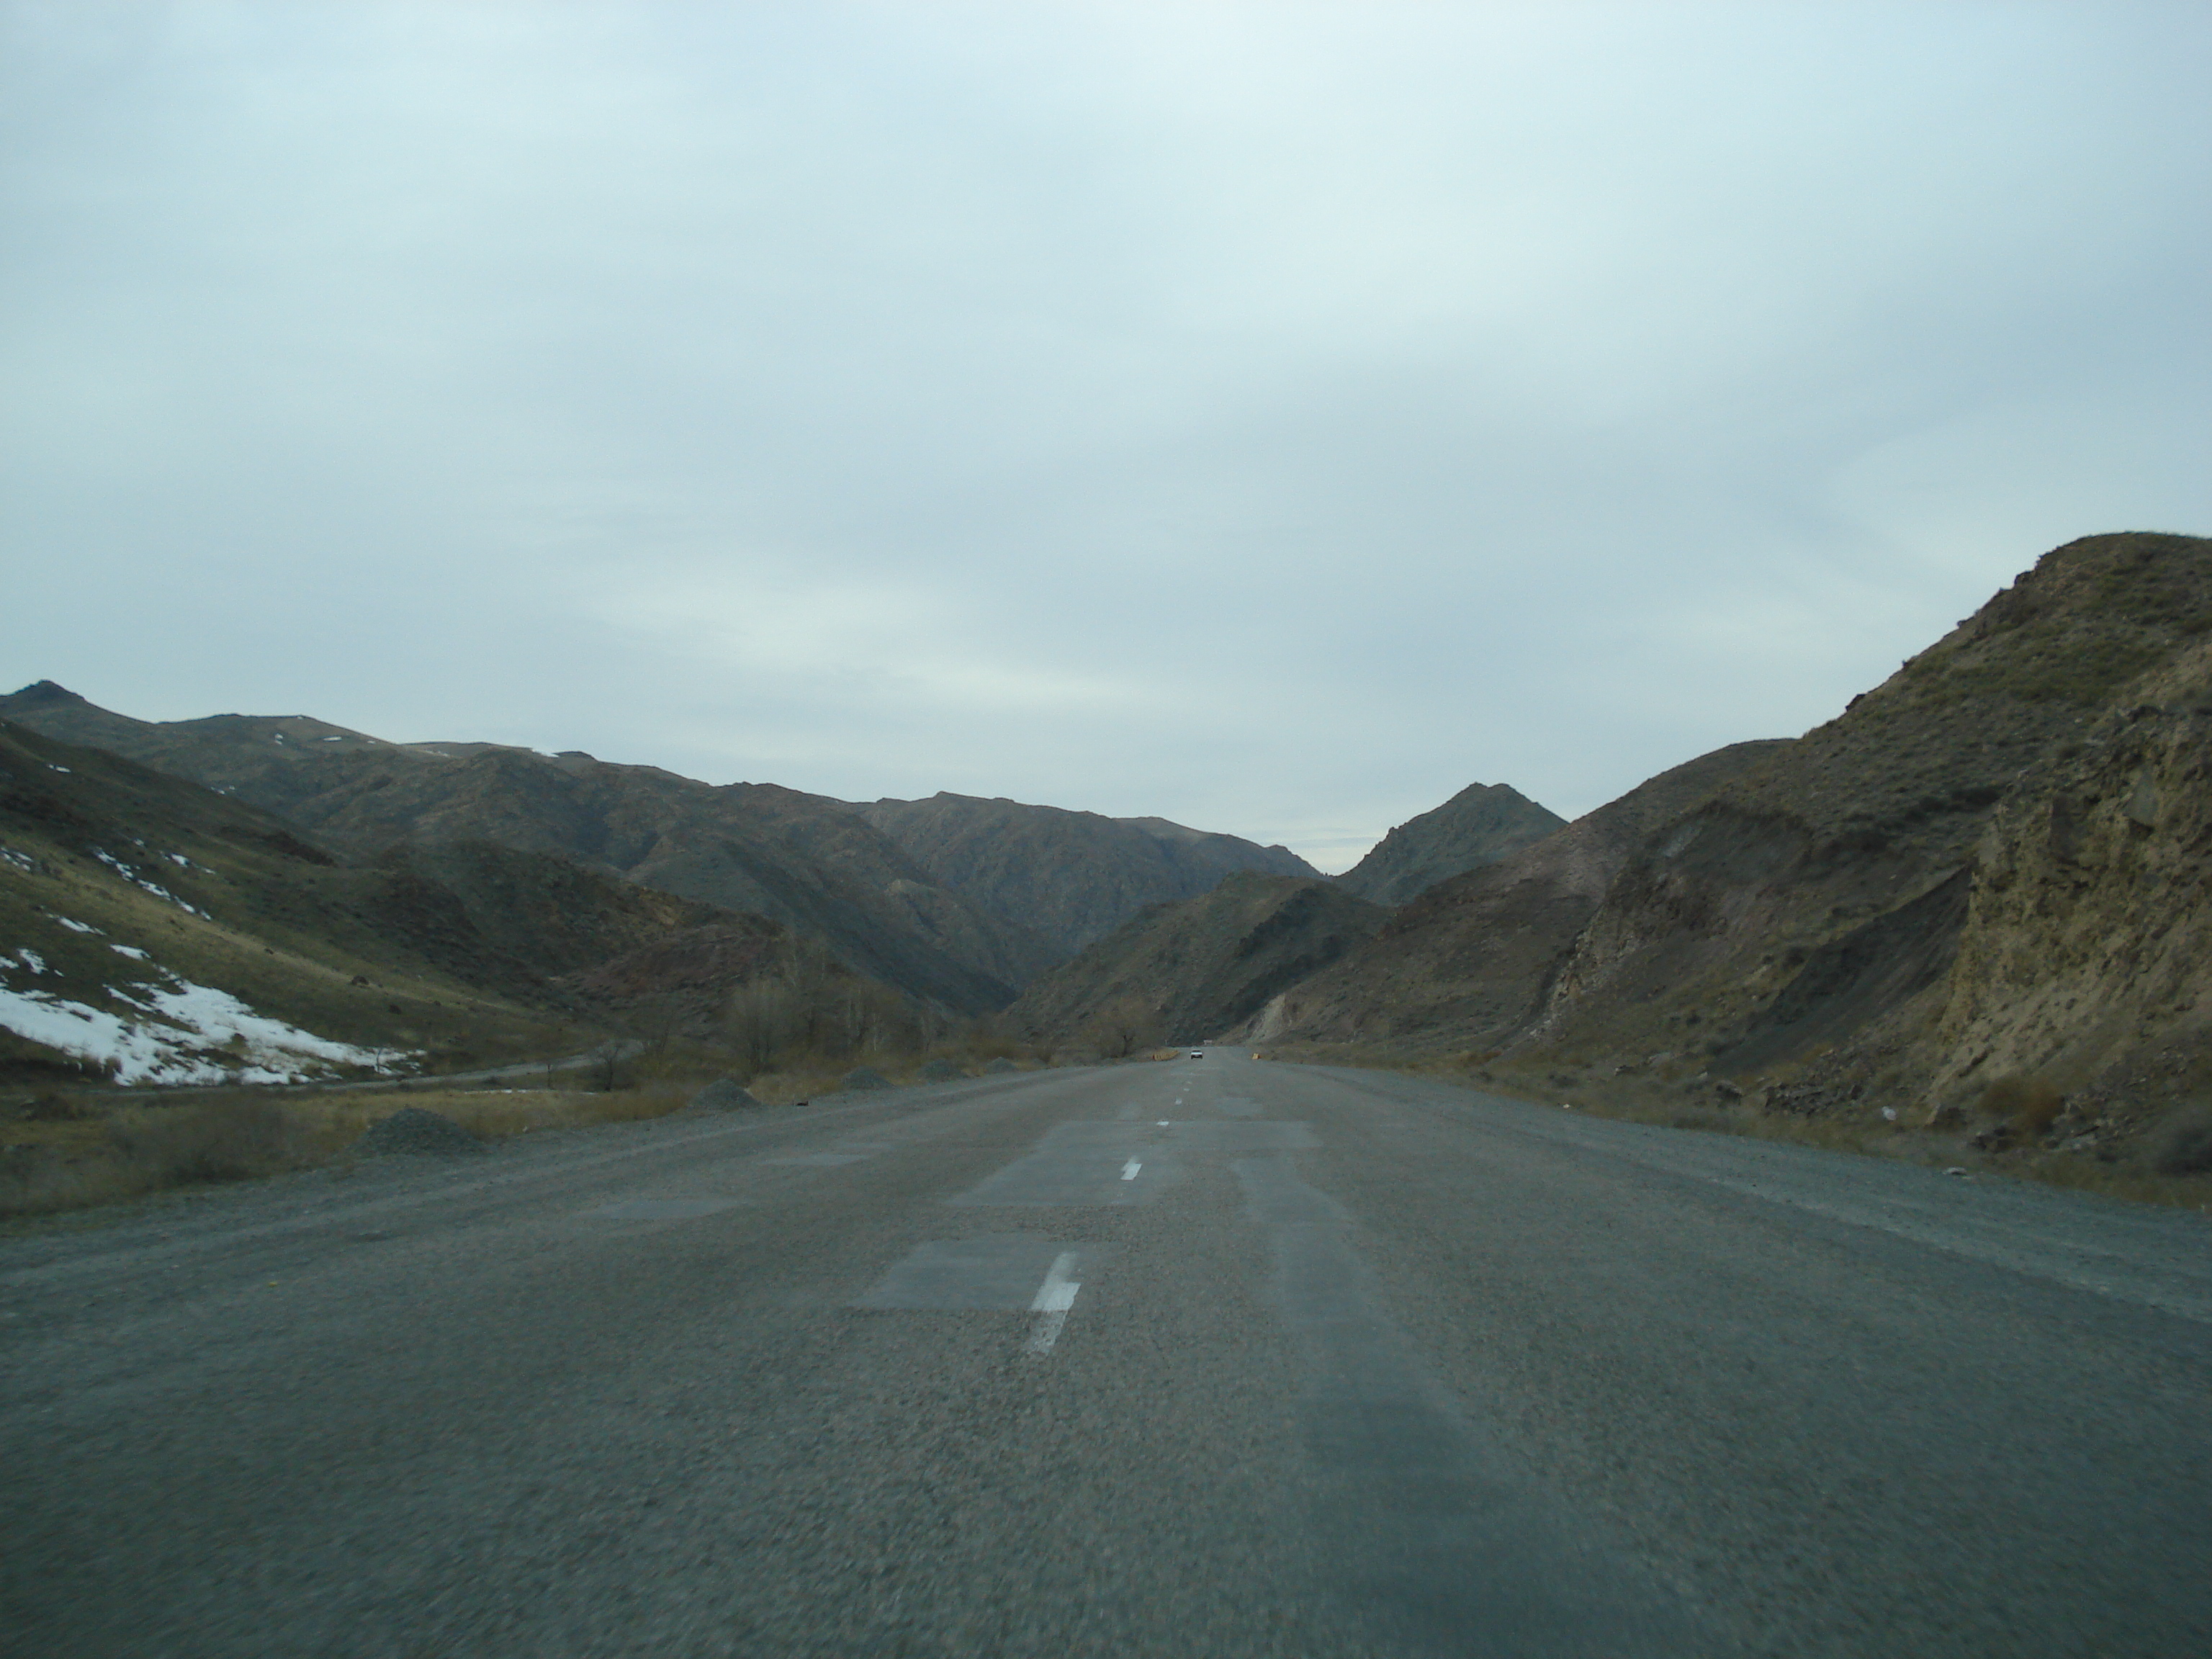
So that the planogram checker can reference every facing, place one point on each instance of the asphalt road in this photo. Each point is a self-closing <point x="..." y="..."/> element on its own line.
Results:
<point x="1202" y="1358"/>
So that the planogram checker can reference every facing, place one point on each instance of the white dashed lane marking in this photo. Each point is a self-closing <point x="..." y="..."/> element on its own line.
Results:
<point x="1054" y="1298"/>
<point x="1129" y="1170"/>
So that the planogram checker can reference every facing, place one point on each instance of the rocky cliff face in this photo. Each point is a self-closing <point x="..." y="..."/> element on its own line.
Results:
<point x="1065" y="877"/>
<point x="1187" y="972"/>
<point x="1481" y="825"/>
<point x="2076" y="1001"/>
<point x="2089" y="938"/>
<point x="1749" y="931"/>
<point x="809" y="862"/>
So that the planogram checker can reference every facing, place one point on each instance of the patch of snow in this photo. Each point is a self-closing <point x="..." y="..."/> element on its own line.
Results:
<point x="51" y="767"/>
<point x="131" y="950"/>
<point x="170" y="1040"/>
<point x="30" y="959"/>
<point x="137" y="880"/>
<point x="77" y="927"/>
<point x="178" y="860"/>
<point x="22" y="861"/>
<point x="333" y="739"/>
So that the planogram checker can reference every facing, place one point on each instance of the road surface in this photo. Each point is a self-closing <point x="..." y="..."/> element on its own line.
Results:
<point x="1192" y="1358"/>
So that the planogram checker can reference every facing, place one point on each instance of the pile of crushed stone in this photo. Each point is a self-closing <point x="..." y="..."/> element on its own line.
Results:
<point x="863" y="1076"/>
<point x="414" y="1131"/>
<point x="723" y="1094"/>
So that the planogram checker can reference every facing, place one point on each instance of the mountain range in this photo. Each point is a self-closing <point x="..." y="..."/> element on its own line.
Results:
<point x="1978" y="896"/>
<point x="1069" y="877"/>
<point x="990" y="894"/>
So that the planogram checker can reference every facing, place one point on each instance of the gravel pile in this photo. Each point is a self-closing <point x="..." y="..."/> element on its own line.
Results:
<point x="723" y="1094"/>
<point x="1001" y="1064"/>
<point x="939" y="1071"/>
<point x="415" y="1131"/>
<point x="863" y="1076"/>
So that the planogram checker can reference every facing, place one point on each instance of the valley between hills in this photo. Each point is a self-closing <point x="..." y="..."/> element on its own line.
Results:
<point x="1964" y="921"/>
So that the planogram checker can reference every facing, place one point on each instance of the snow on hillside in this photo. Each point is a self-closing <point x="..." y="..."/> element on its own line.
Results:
<point x="136" y="880"/>
<point x="182" y="1033"/>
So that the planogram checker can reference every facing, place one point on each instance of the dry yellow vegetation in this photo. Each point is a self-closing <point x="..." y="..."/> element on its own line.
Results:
<point x="75" y="1154"/>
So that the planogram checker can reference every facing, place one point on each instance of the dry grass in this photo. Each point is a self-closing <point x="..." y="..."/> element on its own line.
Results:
<point x="96" y="1157"/>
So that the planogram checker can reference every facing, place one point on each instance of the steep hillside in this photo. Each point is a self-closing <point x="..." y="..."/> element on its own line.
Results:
<point x="1981" y="898"/>
<point x="812" y="863"/>
<point x="2073" y="999"/>
<point x="1481" y="825"/>
<point x="1467" y="963"/>
<point x="1068" y="878"/>
<point x="1819" y="890"/>
<point x="157" y="931"/>
<point x="188" y="936"/>
<point x="1183" y="973"/>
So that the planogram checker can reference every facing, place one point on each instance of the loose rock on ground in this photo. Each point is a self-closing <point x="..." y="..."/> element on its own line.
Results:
<point x="414" y="1130"/>
<point x="723" y="1094"/>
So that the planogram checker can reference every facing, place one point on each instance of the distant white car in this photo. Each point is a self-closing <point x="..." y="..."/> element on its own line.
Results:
<point x="1198" y="1054"/>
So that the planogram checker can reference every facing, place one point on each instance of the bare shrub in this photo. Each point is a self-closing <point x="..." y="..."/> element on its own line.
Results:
<point x="1121" y="1029"/>
<point x="34" y="1182"/>
<point x="2184" y="1142"/>
<point x="222" y="1140"/>
<point x="813" y="1010"/>
<point x="2031" y="1103"/>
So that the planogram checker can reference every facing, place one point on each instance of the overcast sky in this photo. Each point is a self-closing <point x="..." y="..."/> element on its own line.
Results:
<point x="1272" y="417"/>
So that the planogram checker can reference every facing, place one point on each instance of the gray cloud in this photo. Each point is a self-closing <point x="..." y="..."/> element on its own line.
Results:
<point x="1273" y="418"/>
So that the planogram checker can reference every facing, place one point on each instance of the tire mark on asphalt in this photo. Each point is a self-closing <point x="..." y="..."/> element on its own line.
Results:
<point x="1428" y="1533"/>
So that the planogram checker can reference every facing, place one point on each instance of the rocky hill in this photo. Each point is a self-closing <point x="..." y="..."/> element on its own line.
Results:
<point x="812" y="863"/>
<point x="1184" y="972"/>
<point x="1467" y="964"/>
<point x="1481" y="825"/>
<point x="1980" y="889"/>
<point x="1812" y="869"/>
<point x="157" y="931"/>
<point x="1067" y="878"/>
